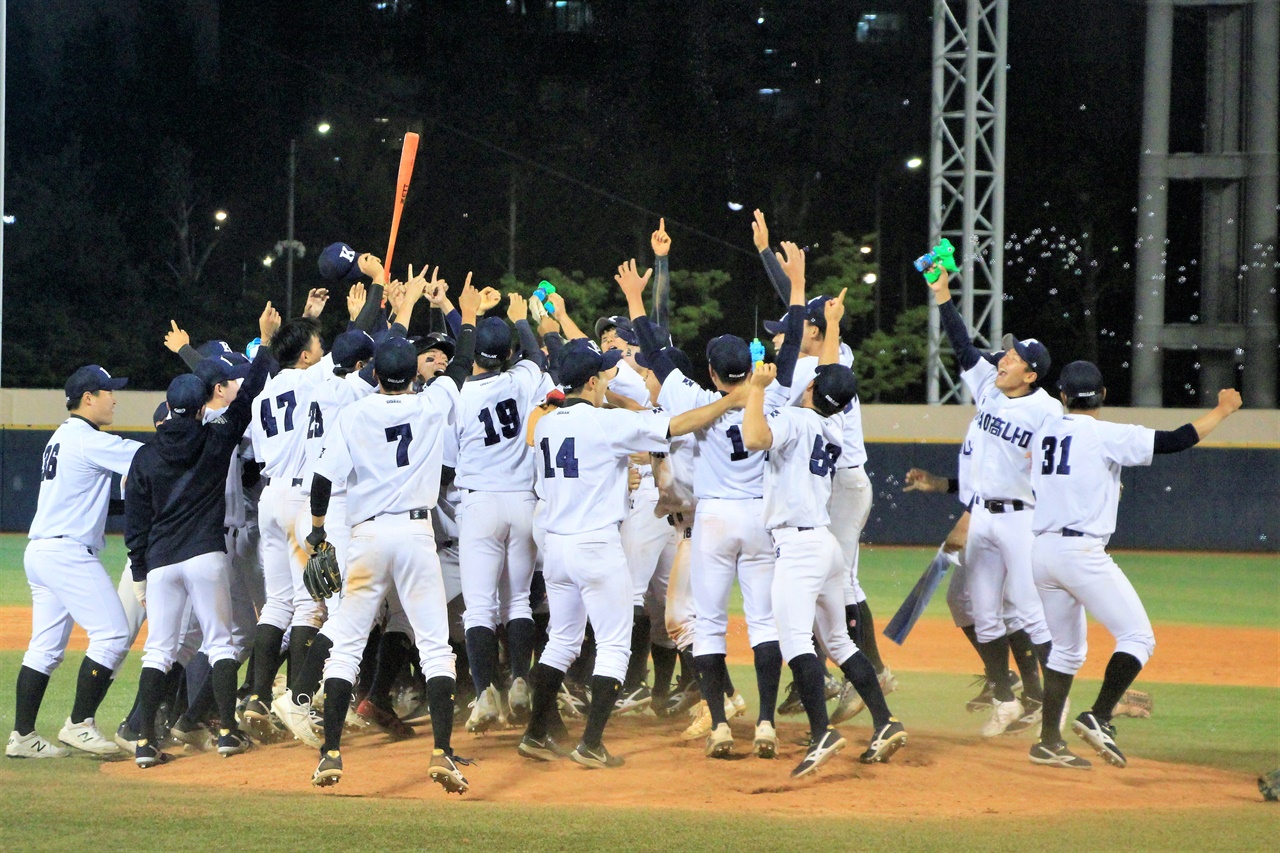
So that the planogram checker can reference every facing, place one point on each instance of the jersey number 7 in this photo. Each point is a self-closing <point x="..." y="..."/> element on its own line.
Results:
<point x="404" y="435"/>
<point x="566" y="461"/>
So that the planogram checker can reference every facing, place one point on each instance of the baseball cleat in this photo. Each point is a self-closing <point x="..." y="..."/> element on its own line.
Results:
<point x="1003" y="714"/>
<point x="484" y="714"/>
<point x="849" y="706"/>
<point x="329" y="770"/>
<point x="682" y="700"/>
<point x="85" y="737"/>
<point x="636" y="700"/>
<point x="595" y="759"/>
<point x="734" y="706"/>
<point x="296" y="717"/>
<point x="257" y="717"/>
<point x="888" y="681"/>
<point x="193" y="735"/>
<point x="766" y="742"/>
<point x="719" y="742"/>
<point x="982" y="702"/>
<point x="126" y="738"/>
<point x="831" y="687"/>
<point x="520" y="701"/>
<point x="819" y="753"/>
<point x="545" y="749"/>
<point x="233" y="742"/>
<point x="444" y="770"/>
<point x="1057" y="755"/>
<point x="385" y="720"/>
<point x="791" y="703"/>
<point x="1101" y="736"/>
<point x="31" y="745"/>
<point x="147" y="755"/>
<point x="569" y="703"/>
<point x="884" y="743"/>
<point x="1032" y="713"/>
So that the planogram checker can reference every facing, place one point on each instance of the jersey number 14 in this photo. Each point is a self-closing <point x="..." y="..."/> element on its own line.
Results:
<point x="566" y="460"/>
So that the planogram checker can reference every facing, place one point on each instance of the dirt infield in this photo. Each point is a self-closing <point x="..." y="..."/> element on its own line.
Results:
<point x="936" y="646"/>
<point x="934" y="776"/>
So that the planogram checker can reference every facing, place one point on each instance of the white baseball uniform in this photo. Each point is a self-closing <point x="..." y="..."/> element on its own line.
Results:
<point x="68" y="582"/>
<point x="674" y="476"/>
<point x="1076" y="474"/>
<point x="582" y="477"/>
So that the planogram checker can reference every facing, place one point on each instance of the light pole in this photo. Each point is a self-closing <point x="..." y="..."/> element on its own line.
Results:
<point x="289" y="246"/>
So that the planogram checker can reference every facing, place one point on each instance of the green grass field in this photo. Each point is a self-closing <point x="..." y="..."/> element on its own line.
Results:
<point x="69" y="805"/>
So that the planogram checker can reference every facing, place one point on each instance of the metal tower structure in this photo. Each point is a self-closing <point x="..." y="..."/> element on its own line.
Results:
<point x="1237" y="171"/>
<point x="966" y="170"/>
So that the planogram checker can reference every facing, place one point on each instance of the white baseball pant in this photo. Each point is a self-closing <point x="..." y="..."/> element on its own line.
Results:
<point x="849" y="508"/>
<point x="587" y="578"/>
<point x="202" y="584"/>
<point x="808" y="593"/>
<point x="69" y="586"/>
<point x="680" y="616"/>
<point x="655" y="596"/>
<point x="998" y="557"/>
<point x="283" y="559"/>
<point x="495" y="546"/>
<point x="336" y="532"/>
<point x="644" y="536"/>
<point x="1075" y="575"/>
<point x="729" y="539"/>
<point x="961" y="605"/>
<point x="135" y="615"/>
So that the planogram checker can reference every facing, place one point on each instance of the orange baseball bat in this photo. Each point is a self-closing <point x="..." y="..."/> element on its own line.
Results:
<point x="408" y="153"/>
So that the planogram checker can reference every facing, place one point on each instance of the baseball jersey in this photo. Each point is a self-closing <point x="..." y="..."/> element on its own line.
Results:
<point x="776" y="396"/>
<point x="388" y="449"/>
<point x="492" y="453"/>
<point x="801" y="464"/>
<point x="279" y="427"/>
<point x="723" y="467"/>
<point x="1007" y="428"/>
<point x="328" y="397"/>
<point x="628" y="383"/>
<point x="234" y="493"/>
<point x="1076" y="472"/>
<point x="75" y="482"/>
<point x="582" y="463"/>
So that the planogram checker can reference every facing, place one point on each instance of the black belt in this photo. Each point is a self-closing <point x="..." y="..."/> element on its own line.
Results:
<point x="1067" y="531"/>
<point x="1004" y="506"/>
<point x="296" y="481"/>
<point x="421" y="514"/>
<point x="445" y="543"/>
<point x="804" y="529"/>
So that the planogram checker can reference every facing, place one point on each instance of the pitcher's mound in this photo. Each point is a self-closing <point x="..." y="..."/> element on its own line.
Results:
<point x="934" y="775"/>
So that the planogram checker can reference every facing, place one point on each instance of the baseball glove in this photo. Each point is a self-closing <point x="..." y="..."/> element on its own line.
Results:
<point x="1269" y="785"/>
<point x="1134" y="703"/>
<point x="321" y="575"/>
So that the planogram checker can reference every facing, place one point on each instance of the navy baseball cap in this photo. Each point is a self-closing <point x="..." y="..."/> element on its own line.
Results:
<point x="213" y="349"/>
<point x="215" y="371"/>
<point x="351" y="347"/>
<point x="1034" y="353"/>
<point x="621" y="325"/>
<point x="493" y="339"/>
<point x="396" y="363"/>
<point x="776" y="327"/>
<point x="582" y="359"/>
<point x="730" y="357"/>
<point x="161" y="413"/>
<point x="1080" y="379"/>
<point x="435" y="340"/>
<point x="90" y="379"/>
<point x="338" y="262"/>
<point x="834" y="386"/>
<point x="186" y="395"/>
<point x="815" y="312"/>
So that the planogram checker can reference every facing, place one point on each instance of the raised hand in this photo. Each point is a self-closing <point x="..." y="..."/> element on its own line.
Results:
<point x="356" y="298"/>
<point x="834" y="310"/>
<point x="517" y="308"/>
<point x="759" y="231"/>
<point x="660" y="240"/>
<point x="941" y="286"/>
<point x="469" y="302"/>
<point x="764" y="374"/>
<point x="489" y="298"/>
<point x="630" y="280"/>
<point x="558" y="301"/>
<point x="175" y="339"/>
<point x="268" y="324"/>
<point x="316" y="299"/>
<point x="372" y="267"/>
<point x="1229" y="400"/>
<point x="395" y="296"/>
<point x="414" y="287"/>
<point x="792" y="260"/>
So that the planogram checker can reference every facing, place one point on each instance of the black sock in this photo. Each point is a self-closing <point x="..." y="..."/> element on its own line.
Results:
<point x="995" y="659"/>
<point x="541" y="621"/>
<point x="688" y="669"/>
<point x="266" y="660"/>
<point x="1122" y="670"/>
<point x="462" y="665"/>
<point x="393" y="653"/>
<point x="150" y="683"/>
<point x="31" y="687"/>
<point x="638" y="663"/>
<point x="862" y="675"/>
<point x="223" y="679"/>
<point x="768" y="658"/>
<point x="664" y="666"/>
<point x="806" y="672"/>
<point x="1043" y="650"/>
<point x="306" y="681"/>
<point x="247" y="687"/>
<point x="173" y="693"/>
<point x="440" y="701"/>
<point x="196" y="676"/>
<point x="711" y="670"/>
<point x="521" y="634"/>
<point x="725" y="678"/>
<point x="337" y="700"/>
<point x="199" y="707"/>
<point x="867" y="633"/>
<point x="546" y="688"/>
<point x="300" y="639"/>
<point x="91" y="686"/>
<point x="853" y="624"/>
<point x="1024" y="655"/>
<point x="368" y="662"/>
<point x="1057" y="686"/>
<point x="604" y="693"/>
<point x="482" y="652"/>
<point x="971" y="635"/>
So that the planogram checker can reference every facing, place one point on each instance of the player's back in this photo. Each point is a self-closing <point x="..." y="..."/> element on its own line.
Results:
<point x="327" y="398"/>
<point x="1076" y="472"/>
<point x="853" y="442"/>
<point x="279" y="426"/>
<point x="75" y="481"/>
<point x="802" y="462"/>
<point x="492" y="453"/>
<point x="723" y="467"/>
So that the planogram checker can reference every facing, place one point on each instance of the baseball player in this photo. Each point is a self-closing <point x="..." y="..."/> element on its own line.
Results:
<point x="803" y="445"/>
<point x="495" y="473"/>
<point x="175" y="506"/>
<point x="1076" y="474"/>
<point x="582" y="477"/>
<point x="389" y="450"/>
<point x="729" y="536"/>
<point x="68" y="583"/>
<point x="1011" y="408"/>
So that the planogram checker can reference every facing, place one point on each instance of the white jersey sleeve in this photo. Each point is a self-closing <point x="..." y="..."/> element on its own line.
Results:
<point x="627" y="383"/>
<point x="964" y="462"/>
<point x="801" y="463"/>
<point x="1129" y="445"/>
<point x="979" y="378"/>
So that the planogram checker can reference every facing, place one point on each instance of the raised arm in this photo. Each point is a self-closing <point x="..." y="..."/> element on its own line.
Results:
<point x="177" y="341"/>
<point x="953" y="323"/>
<point x="1188" y="435"/>
<point x="632" y="285"/>
<point x="777" y="277"/>
<point x="240" y="412"/>
<point x="833" y="311"/>
<point x="464" y="353"/>
<point x="789" y="353"/>
<point x="371" y="313"/>
<point x="317" y="298"/>
<point x="704" y="416"/>
<point x="756" y="434"/>
<point x="570" y="328"/>
<point x="660" y="241"/>
<point x="518" y="313"/>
